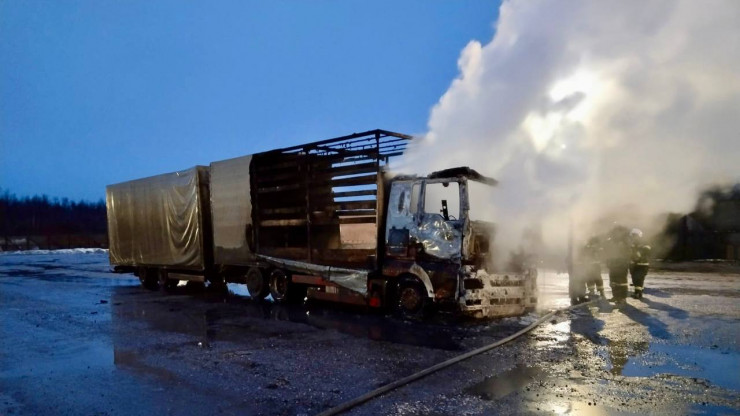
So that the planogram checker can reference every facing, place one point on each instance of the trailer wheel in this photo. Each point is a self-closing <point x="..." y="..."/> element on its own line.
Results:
<point x="279" y="286"/>
<point x="149" y="278"/>
<point x="411" y="300"/>
<point x="256" y="284"/>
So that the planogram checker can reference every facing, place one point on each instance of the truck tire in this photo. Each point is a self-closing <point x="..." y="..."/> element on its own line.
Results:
<point x="149" y="278"/>
<point x="411" y="299"/>
<point x="256" y="283"/>
<point x="279" y="286"/>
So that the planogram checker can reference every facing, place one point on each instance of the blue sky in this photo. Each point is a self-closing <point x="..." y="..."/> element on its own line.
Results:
<point x="98" y="92"/>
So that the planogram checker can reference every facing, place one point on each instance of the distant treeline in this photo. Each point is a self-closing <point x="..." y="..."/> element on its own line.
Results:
<point x="49" y="223"/>
<point x="711" y="231"/>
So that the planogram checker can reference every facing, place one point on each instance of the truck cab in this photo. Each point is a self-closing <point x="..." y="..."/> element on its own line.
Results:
<point x="435" y="254"/>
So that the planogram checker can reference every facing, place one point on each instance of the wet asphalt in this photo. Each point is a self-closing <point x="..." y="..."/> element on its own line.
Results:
<point x="78" y="340"/>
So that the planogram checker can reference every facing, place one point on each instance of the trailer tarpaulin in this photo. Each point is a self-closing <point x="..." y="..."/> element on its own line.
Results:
<point x="159" y="220"/>
<point x="231" y="210"/>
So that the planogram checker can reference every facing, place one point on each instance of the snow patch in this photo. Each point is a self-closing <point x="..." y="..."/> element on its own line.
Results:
<point x="61" y="251"/>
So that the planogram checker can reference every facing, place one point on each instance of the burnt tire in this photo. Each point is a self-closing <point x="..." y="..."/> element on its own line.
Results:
<point x="411" y="299"/>
<point x="256" y="283"/>
<point x="149" y="278"/>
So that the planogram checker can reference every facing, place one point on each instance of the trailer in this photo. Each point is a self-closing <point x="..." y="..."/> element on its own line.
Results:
<point x="160" y="225"/>
<point x="324" y="220"/>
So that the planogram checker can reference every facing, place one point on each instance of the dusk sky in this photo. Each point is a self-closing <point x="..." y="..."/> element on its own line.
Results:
<point x="98" y="92"/>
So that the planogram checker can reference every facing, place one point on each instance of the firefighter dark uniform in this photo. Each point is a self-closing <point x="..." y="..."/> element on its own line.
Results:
<point x="618" y="256"/>
<point x="592" y="253"/>
<point x="639" y="268"/>
<point x="577" y="284"/>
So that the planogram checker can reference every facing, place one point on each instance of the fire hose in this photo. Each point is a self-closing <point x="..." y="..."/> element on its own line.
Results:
<point x="423" y="373"/>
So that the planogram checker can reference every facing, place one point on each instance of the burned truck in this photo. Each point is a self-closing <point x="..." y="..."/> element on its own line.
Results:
<point x="324" y="220"/>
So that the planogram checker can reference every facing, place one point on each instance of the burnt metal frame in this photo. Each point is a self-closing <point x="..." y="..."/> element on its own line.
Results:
<point x="315" y="170"/>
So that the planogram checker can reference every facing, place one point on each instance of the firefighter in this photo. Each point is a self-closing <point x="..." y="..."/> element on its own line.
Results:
<point x="576" y="276"/>
<point x="591" y="256"/>
<point x="577" y="284"/>
<point x="640" y="262"/>
<point x="618" y="255"/>
<point x="585" y="274"/>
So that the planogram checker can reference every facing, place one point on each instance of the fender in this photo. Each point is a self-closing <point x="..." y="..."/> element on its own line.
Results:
<point x="420" y="273"/>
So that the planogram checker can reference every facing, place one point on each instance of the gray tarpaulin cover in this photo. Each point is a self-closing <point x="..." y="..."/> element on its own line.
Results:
<point x="157" y="220"/>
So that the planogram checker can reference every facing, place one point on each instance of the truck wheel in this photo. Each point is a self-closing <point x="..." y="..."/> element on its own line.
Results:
<point x="256" y="284"/>
<point x="279" y="285"/>
<point x="149" y="278"/>
<point x="412" y="300"/>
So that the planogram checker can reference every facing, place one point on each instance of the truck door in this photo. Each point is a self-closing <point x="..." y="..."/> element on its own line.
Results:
<point x="403" y="216"/>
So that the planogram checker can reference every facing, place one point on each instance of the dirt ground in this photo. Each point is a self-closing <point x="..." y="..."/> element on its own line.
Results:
<point x="76" y="339"/>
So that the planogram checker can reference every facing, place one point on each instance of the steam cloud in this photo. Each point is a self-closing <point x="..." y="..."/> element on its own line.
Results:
<point x="590" y="111"/>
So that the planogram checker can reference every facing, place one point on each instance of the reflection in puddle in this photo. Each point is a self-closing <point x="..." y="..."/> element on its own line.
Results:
<point x="553" y="336"/>
<point x="621" y="351"/>
<point x="642" y="359"/>
<point x="505" y="383"/>
<point x="233" y="319"/>
<point x="131" y="360"/>
<point x="718" y="367"/>
<point x="579" y="408"/>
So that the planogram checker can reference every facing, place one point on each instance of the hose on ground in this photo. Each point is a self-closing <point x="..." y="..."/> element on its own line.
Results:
<point x="423" y="373"/>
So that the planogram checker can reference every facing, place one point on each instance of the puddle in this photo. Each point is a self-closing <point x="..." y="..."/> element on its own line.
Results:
<point x="720" y="368"/>
<point x="710" y="409"/>
<point x="621" y="352"/>
<point x="131" y="360"/>
<point x="67" y="359"/>
<point x="578" y="408"/>
<point x="503" y="384"/>
<point x="553" y="336"/>
<point x="213" y="317"/>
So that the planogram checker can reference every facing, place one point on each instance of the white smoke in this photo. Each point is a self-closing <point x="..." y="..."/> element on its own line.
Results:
<point x="587" y="109"/>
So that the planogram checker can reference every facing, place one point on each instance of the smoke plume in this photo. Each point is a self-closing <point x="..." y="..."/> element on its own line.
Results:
<point x="592" y="112"/>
